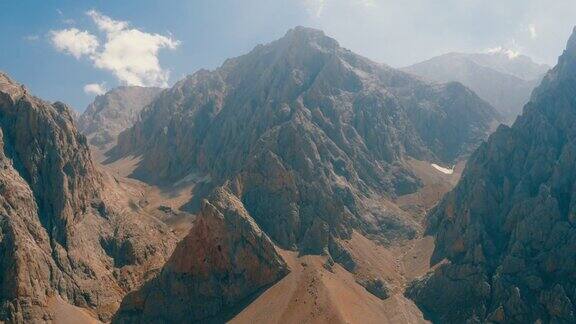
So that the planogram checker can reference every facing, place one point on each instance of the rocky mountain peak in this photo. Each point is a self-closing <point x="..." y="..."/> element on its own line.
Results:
<point x="300" y="35"/>
<point x="571" y="46"/>
<point x="330" y="127"/>
<point x="10" y="88"/>
<point x="113" y="112"/>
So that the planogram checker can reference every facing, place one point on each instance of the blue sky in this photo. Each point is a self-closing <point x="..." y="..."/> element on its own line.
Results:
<point x="198" y="34"/>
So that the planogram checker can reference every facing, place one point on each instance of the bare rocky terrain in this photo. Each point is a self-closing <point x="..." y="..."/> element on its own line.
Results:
<point x="311" y="138"/>
<point x="299" y="183"/>
<point x="507" y="230"/>
<point x="114" y="112"/>
<point x="312" y="143"/>
<point x="68" y="233"/>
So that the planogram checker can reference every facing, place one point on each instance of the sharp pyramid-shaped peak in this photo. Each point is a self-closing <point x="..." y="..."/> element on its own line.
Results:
<point x="301" y="36"/>
<point x="305" y="32"/>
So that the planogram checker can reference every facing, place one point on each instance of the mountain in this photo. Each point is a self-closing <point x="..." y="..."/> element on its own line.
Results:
<point x="508" y="228"/>
<point x="311" y="144"/>
<point x="113" y="112"/>
<point x="72" y="242"/>
<point x="503" y="78"/>
<point x="308" y="133"/>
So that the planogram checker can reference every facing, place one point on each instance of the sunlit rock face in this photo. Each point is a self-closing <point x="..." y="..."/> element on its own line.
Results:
<point x="225" y="259"/>
<point x="114" y="112"/>
<point x="508" y="228"/>
<point x="63" y="235"/>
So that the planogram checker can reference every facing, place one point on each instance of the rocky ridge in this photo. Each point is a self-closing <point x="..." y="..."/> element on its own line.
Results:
<point x="505" y="80"/>
<point x="113" y="112"/>
<point x="63" y="232"/>
<point x="508" y="228"/>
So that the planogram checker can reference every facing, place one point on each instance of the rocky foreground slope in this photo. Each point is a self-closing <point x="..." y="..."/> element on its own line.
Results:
<point x="224" y="259"/>
<point x="503" y="78"/>
<point x="114" y="112"/>
<point x="508" y="229"/>
<point x="67" y="237"/>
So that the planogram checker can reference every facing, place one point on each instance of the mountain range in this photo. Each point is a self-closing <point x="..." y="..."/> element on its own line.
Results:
<point x="297" y="183"/>
<point x="502" y="77"/>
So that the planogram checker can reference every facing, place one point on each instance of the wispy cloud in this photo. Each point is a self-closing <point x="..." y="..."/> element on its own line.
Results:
<point x="31" y="38"/>
<point x="316" y="7"/>
<point x="95" y="89"/>
<point x="129" y="53"/>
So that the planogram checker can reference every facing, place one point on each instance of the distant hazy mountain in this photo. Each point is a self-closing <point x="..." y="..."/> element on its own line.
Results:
<point x="305" y="141"/>
<point x="508" y="229"/>
<point x="113" y="112"/>
<point x="501" y="77"/>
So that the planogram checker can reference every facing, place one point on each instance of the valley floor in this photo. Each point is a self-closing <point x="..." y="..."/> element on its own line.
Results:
<point x="313" y="292"/>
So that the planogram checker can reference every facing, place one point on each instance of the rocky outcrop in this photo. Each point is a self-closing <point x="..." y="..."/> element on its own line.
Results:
<point x="114" y="112"/>
<point x="508" y="229"/>
<point x="59" y="218"/>
<point x="225" y="259"/>
<point x="502" y="78"/>
<point x="312" y="137"/>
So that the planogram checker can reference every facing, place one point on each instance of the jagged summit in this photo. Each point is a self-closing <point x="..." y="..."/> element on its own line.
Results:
<point x="299" y="35"/>
<point x="11" y="87"/>
<point x="571" y="45"/>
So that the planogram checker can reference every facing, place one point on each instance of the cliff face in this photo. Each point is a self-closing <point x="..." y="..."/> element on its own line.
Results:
<point x="59" y="217"/>
<point x="505" y="80"/>
<point x="114" y="112"/>
<point x="309" y="134"/>
<point x="508" y="228"/>
<point x="224" y="259"/>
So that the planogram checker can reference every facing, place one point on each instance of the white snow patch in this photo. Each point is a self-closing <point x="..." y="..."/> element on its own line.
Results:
<point x="442" y="169"/>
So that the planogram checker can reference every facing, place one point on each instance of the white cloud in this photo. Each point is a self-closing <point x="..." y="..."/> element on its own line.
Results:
<point x="504" y="51"/>
<point x="95" y="89"/>
<point x="532" y="31"/>
<point x="130" y="54"/>
<point x="74" y="42"/>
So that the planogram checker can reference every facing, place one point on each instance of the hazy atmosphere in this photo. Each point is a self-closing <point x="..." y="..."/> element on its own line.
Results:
<point x="288" y="161"/>
<point x="180" y="37"/>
